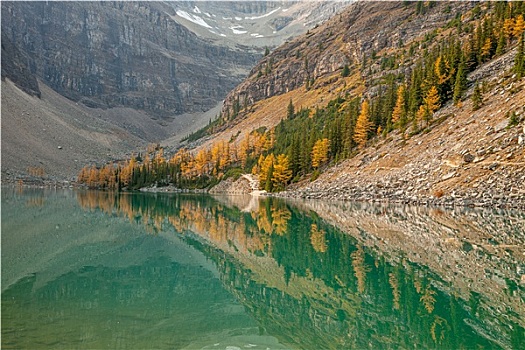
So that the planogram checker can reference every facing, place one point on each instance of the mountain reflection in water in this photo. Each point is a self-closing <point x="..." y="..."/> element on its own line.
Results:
<point x="339" y="275"/>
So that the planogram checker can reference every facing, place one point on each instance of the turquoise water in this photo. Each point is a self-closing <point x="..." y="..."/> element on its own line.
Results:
<point x="96" y="270"/>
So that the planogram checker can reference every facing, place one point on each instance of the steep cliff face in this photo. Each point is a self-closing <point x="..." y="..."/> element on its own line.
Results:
<point x="128" y="54"/>
<point x="15" y="67"/>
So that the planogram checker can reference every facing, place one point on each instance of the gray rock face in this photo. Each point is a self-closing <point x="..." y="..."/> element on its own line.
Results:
<point x="15" y="67"/>
<point x="130" y="54"/>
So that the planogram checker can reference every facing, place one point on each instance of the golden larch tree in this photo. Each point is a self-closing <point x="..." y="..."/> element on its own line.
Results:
<point x="399" y="109"/>
<point x="519" y="26"/>
<point x="281" y="172"/>
<point x="432" y="100"/>
<point x="508" y="28"/>
<point x="429" y="106"/>
<point x="363" y="125"/>
<point x="201" y="162"/>
<point x="318" y="239"/>
<point x="264" y="164"/>
<point x="320" y="152"/>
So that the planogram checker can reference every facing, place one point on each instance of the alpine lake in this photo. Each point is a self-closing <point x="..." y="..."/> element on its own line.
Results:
<point x="102" y="270"/>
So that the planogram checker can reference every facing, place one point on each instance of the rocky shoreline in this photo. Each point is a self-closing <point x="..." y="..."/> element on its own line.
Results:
<point x="376" y="193"/>
<point x="355" y="191"/>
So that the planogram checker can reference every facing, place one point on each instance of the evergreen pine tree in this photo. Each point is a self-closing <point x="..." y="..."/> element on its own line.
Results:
<point x="460" y="85"/>
<point x="477" y="100"/>
<point x="346" y="71"/>
<point x="290" y="111"/>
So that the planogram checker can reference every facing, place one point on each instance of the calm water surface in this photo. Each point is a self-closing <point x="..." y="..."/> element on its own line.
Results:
<point x="97" y="270"/>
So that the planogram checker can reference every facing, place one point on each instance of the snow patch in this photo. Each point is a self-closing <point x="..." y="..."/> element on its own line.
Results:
<point x="284" y="10"/>
<point x="196" y="9"/>
<point x="257" y="35"/>
<point x="207" y="14"/>
<point x="265" y="15"/>
<point x="235" y="30"/>
<point x="238" y="18"/>
<point x="193" y="18"/>
<point x="214" y="32"/>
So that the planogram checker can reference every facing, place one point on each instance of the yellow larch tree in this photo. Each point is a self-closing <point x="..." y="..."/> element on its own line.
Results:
<point x="519" y="26"/>
<point x="127" y="171"/>
<point x="281" y="172"/>
<point x="443" y="70"/>
<point x="179" y="157"/>
<point x="269" y="140"/>
<point x="430" y="105"/>
<point x="508" y="28"/>
<point x="83" y="175"/>
<point x="201" y="162"/>
<point x="485" y="49"/>
<point x="93" y="177"/>
<point x="259" y="140"/>
<point x="318" y="239"/>
<point x="159" y="157"/>
<point x="320" y="152"/>
<point x="363" y="125"/>
<point x="265" y="164"/>
<point x="399" y="109"/>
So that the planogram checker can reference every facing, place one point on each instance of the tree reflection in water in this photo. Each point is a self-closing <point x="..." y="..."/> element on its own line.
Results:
<point x="345" y="275"/>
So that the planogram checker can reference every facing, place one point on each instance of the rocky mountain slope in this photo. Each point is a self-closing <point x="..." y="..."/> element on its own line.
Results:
<point x="350" y="38"/>
<point x="467" y="156"/>
<point x="472" y="159"/>
<point x="52" y="137"/>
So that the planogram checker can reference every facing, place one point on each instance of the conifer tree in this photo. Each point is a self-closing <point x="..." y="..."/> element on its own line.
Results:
<point x="290" y="110"/>
<point x="501" y="44"/>
<point x="432" y="100"/>
<point x="346" y="71"/>
<point x="398" y="114"/>
<point x="281" y="173"/>
<point x="363" y="125"/>
<point x="320" y="152"/>
<point x="429" y="106"/>
<point x="519" y="26"/>
<point x="477" y="100"/>
<point x="460" y="84"/>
